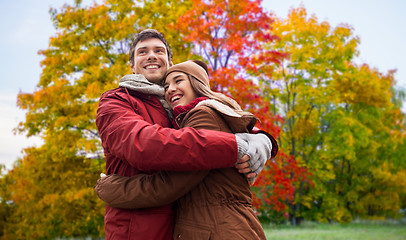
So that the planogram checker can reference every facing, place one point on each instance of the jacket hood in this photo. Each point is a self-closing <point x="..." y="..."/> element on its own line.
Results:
<point x="237" y="122"/>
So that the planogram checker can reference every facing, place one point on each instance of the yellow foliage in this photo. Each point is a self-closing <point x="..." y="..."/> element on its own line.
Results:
<point x="364" y="85"/>
<point x="307" y="201"/>
<point x="93" y="90"/>
<point x="304" y="128"/>
<point x="51" y="199"/>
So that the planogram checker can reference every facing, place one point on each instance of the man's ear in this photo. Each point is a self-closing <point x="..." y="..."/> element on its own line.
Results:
<point x="170" y="63"/>
<point x="132" y="67"/>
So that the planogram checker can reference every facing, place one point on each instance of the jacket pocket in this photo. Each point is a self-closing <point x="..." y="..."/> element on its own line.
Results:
<point x="190" y="233"/>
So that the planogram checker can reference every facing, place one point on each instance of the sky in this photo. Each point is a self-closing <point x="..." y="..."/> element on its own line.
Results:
<point x="26" y="28"/>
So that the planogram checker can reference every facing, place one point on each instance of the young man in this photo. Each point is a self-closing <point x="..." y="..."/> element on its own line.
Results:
<point x="137" y="137"/>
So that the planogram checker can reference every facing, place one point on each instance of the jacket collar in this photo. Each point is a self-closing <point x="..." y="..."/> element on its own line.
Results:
<point x="180" y="111"/>
<point x="139" y="84"/>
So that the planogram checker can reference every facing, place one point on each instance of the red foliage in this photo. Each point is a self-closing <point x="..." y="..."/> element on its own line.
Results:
<point x="276" y="184"/>
<point x="233" y="37"/>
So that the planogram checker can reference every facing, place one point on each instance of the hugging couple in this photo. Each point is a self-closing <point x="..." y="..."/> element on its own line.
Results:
<point x="179" y="157"/>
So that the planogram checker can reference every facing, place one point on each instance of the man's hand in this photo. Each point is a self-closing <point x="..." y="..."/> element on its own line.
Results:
<point x="259" y="151"/>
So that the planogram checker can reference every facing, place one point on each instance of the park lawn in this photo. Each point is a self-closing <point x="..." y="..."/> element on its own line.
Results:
<point x="352" y="231"/>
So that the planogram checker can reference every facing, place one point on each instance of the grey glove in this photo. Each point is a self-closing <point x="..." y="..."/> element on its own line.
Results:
<point x="259" y="149"/>
<point x="242" y="145"/>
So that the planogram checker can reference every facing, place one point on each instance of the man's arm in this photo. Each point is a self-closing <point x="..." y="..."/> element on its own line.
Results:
<point x="147" y="147"/>
<point x="144" y="191"/>
<point x="161" y="188"/>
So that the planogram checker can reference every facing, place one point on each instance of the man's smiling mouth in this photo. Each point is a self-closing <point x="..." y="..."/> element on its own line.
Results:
<point x="152" y="67"/>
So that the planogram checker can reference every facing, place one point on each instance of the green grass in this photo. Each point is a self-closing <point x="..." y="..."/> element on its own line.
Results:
<point x="352" y="231"/>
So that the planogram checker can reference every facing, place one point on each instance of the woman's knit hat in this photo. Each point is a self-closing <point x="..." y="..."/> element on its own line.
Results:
<point x="191" y="68"/>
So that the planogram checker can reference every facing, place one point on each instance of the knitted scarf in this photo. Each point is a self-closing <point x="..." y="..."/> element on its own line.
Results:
<point x="139" y="83"/>
<point x="186" y="108"/>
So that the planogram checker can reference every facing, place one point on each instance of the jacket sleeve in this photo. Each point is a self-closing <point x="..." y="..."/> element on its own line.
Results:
<point x="275" y="147"/>
<point x="205" y="120"/>
<point x="144" y="191"/>
<point x="160" y="188"/>
<point x="150" y="147"/>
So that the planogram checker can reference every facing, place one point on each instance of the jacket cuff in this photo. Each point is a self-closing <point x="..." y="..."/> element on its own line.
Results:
<point x="275" y="147"/>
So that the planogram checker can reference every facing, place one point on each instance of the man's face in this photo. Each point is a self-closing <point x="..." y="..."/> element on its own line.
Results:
<point x="151" y="60"/>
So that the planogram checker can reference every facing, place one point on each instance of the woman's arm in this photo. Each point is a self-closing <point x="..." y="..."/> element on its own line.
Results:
<point x="144" y="190"/>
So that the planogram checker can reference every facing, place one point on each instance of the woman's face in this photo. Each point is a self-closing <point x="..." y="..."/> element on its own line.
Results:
<point x="178" y="90"/>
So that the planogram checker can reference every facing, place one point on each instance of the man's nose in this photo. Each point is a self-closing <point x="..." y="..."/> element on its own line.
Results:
<point x="151" y="55"/>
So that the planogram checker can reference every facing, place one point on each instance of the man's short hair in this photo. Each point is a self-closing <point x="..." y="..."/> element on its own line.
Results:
<point x="145" y="35"/>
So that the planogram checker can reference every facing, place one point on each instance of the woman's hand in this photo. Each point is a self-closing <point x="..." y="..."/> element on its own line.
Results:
<point x="243" y="166"/>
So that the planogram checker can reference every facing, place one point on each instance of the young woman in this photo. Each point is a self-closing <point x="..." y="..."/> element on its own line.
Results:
<point x="219" y="204"/>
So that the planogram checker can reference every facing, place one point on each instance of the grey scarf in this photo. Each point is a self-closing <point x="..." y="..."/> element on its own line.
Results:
<point x="139" y="83"/>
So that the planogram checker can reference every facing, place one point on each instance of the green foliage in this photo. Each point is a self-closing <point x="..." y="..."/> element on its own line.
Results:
<point x="341" y="123"/>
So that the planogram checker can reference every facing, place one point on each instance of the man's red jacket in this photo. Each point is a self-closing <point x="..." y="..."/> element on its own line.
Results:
<point x="136" y="135"/>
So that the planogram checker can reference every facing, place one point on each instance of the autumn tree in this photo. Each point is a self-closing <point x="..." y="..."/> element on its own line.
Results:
<point x="339" y="122"/>
<point x="226" y="34"/>
<point x="50" y="192"/>
<point x="231" y="36"/>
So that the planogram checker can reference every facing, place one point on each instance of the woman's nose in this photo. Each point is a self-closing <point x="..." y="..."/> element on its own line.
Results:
<point x="171" y="88"/>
